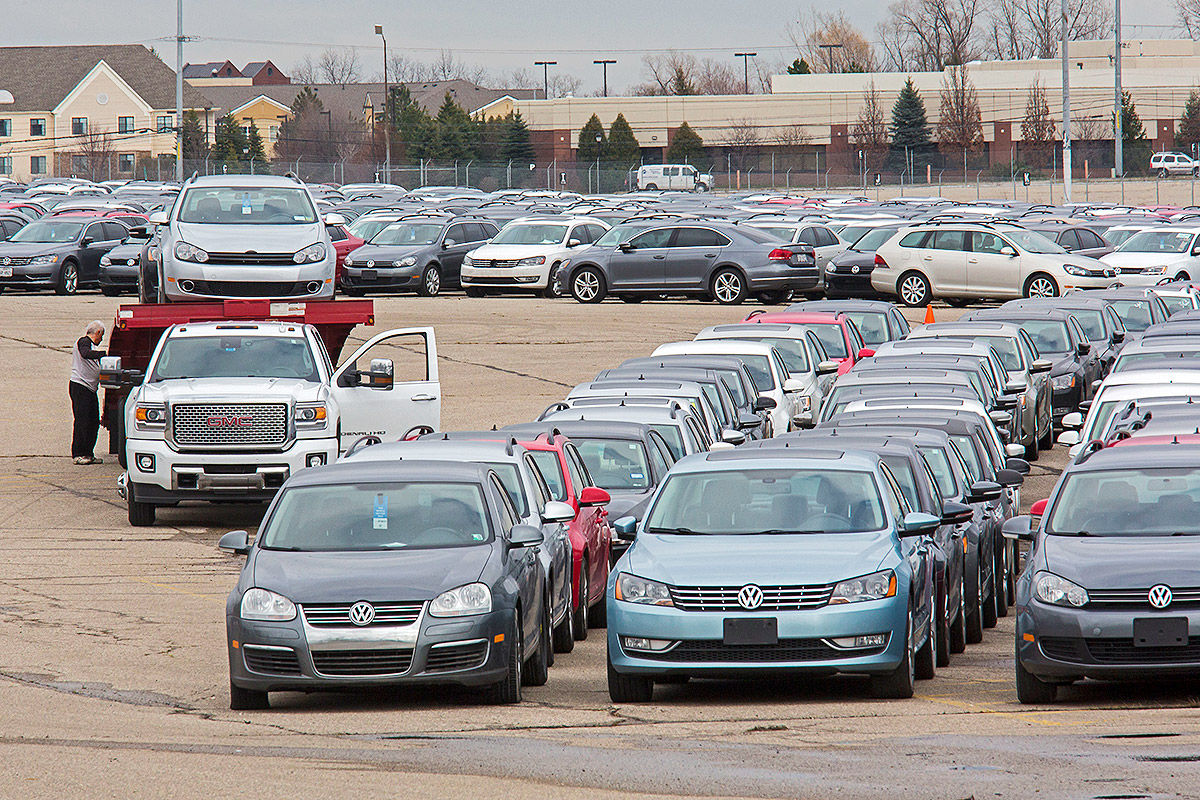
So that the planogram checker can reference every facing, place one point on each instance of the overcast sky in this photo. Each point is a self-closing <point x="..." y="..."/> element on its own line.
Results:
<point x="501" y="36"/>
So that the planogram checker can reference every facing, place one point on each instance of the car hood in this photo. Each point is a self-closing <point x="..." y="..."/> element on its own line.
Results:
<point x="1122" y="562"/>
<point x="389" y="252"/>
<point x="853" y="258"/>
<point x="245" y="238"/>
<point x="126" y="251"/>
<point x="1143" y="259"/>
<point x="200" y="390"/>
<point x="372" y="575"/>
<point x="777" y="560"/>
<point x="512" y="251"/>
<point x="1062" y="363"/>
<point x="26" y="249"/>
<point x="626" y="503"/>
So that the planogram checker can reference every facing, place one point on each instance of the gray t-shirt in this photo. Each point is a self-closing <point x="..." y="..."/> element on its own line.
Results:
<point x="85" y="364"/>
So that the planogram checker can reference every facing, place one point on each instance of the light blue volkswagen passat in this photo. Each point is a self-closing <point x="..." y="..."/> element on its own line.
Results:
<point x="750" y="562"/>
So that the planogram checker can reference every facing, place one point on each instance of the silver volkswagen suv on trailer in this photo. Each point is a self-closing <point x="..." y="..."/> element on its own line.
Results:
<point x="244" y="236"/>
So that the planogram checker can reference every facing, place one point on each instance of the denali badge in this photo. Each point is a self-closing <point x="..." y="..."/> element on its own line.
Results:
<point x="1160" y="596"/>
<point x="230" y="422"/>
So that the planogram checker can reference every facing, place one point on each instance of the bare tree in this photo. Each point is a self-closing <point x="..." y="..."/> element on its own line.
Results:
<point x="793" y="135"/>
<point x="1037" y="127"/>
<point x="675" y="73"/>
<point x="305" y="71"/>
<point x="870" y="131"/>
<point x="92" y="157"/>
<point x="349" y="138"/>
<point x="1033" y="28"/>
<point x="853" y="52"/>
<point x="339" y="66"/>
<point x="960" y="124"/>
<point x="1092" y="128"/>
<point x="1189" y="16"/>
<point x="742" y="137"/>
<point x="931" y="34"/>
<point x="447" y="67"/>
<point x="402" y="69"/>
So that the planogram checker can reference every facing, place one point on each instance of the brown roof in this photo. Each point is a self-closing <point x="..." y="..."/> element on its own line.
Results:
<point x="40" y="77"/>
<point x="209" y="69"/>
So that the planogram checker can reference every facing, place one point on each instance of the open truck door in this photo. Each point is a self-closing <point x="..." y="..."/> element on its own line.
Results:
<point x="388" y="385"/>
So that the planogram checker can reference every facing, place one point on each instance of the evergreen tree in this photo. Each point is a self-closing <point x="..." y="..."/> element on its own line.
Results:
<point x="686" y="146"/>
<point x="1136" y="146"/>
<point x="454" y="129"/>
<point x="622" y="146"/>
<point x="515" y="146"/>
<point x="489" y="136"/>
<point x="229" y="142"/>
<point x="254" y="142"/>
<point x="909" y="128"/>
<point x="305" y="133"/>
<point x="799" y="67"/>
<point x="591" y="139"/>
<point x="1188" y="132"/>
<point x="412" y="127"/>
<point x="195" y="144"/>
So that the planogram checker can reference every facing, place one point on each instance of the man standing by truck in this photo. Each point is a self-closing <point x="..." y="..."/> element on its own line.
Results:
<point x="85" y="383"/>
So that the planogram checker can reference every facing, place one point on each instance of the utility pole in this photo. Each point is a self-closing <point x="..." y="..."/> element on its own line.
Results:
<point x="179" y="93"/>
<point x="829" y="48"/>
<point x="745" y="57"/>
<point x="1118" y="129"/>
<point x="604" y="62"/>
<point x="1066" y="112"/>
<point x="387" y="116"/>
<point x="545" y="65"/>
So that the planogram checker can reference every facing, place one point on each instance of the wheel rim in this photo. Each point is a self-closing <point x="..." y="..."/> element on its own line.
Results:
<point x="1042" y="287"/>
<point x="912" y="290"/>
<point x="587" y="286"/>
<point x="433" y="281"/>
<point x="70" y="278"/>
<point x="727" y="287"/>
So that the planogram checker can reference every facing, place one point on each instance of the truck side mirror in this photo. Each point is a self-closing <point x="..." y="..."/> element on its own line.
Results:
<point x="381" y="374"/>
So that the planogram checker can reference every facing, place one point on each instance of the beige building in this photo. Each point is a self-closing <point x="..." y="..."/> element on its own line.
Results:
<point x="102" y="111"/>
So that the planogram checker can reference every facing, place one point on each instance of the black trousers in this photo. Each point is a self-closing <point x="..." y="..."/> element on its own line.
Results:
<point x="85" y="407"/>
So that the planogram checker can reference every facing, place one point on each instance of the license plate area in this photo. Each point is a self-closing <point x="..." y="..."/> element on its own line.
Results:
<point x="5" y="272"/>
<point x="752" y="630"/>
<point x="369" y="274"/>
<point x="1160" y="632"/>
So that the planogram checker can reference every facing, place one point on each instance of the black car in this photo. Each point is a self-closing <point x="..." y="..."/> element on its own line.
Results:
<point x="384" y="573"/>
<point x="119" y="267"/>
<point x="1075" y="239"/>
<point x="59" y="254"/>
<point x="422" y="253"/>
<point x="1096" y="316"/>
<point x="848" y="274"/>
<point x="1139" y="308"/>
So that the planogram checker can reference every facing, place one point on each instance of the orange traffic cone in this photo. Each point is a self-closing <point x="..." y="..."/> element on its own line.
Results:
<point x="929" y="320"/>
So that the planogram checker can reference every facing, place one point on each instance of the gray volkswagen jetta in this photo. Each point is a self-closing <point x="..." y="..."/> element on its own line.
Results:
<point x="385" y="573"/>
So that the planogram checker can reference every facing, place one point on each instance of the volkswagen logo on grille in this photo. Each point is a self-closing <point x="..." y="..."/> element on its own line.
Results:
<point x="5" y="260"/>
<point x="1160" y="596"/>
<point x="854" y="269"/>
<point x="750" y="597"/>
<point x="362" y="613"/>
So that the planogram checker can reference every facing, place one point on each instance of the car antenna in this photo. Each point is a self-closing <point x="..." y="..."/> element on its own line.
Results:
<point x="494" y="427"/>
<point x="445" y="437"/>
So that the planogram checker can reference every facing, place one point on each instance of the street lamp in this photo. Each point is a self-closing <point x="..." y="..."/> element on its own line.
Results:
<point x="545" y="65"/>
<point x="599" y="139"/>
<point x="745" y="57"/>
<point x="604" y="62"/>
<point x="829" y="48"/>
<point x="387" y="122"/>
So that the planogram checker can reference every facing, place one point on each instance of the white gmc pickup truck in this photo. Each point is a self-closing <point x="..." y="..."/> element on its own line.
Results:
<point x="229" y="410"/>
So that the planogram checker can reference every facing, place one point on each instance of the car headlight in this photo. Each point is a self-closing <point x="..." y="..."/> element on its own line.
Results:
<point x="150" y="415"/>
<point x="266" y="605"/>
<point x="468" y="261"/>
<point x="474" y="598"/>
<point x="312" y="254"/>
<point x="1075" y="269"/>
<point x="188" y="252"/>
<point x="875" y="586"/>
<point x="310" y="415"/>
<point x="532" y="261"/>
<point x="43" y="260"/>
<point x="105" y="261"/>
<point x="407" y="261"/>
<point x="349" y="262"/>
<point x="633" y="589"/>
<point x="1059" y="591"/>
<point x="1063" y="381"/>
<point x="805" y="402"/>
<point x="1159" y="270"/>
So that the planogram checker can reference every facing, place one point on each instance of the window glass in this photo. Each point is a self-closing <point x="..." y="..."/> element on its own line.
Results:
<point x="895" y="496"/>
<point x="808" y="236"/>
<point x="1092" y="322"/>
<point x="1128" y="502"/>
<point x="616" y="463"/>
<point x="235" y="357"/>
<point x="1067" y="240"/>
<point x="458" y="234"/>
<point x="655" y="238"/>
<point x="943" y="475"/>
<point x="336" y="233"/>
<point x="510" y="479"/>
<point x="902" y="473"/>
<point x="533" y="234"/>
<point x="825" y="237"/>
<point x="699" y="237"/>
<point x="914" y="239"/>
<point x="115" y="231"/>
<point x="576" y="471"/>
<point x="986" y="243"/>
<point x="550" y="469"/>
<point x="673" y="436"/>
<point x="508" y="515"/>
<point x="403" y="234"/>
<point x="658" y="460"/>
<point x="274" y="205"/>
<point x="949" y="240"/>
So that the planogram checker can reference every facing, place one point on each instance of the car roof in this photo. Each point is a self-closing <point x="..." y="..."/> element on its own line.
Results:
<point x="644" y="414"/>
<point x="841" y="305"/>
<point x="238" y="328"/>
<point x="415" y="471"/>
<point x="987" y="314"/>
<point x="714" y="347"/>
<point x="582" y="428"/>
<point x="778" y="458"/>
<point x="435" y="448"/>
<point x="796" y="317"/>
<point x="236" y="181"/>
<point x="975" y="326"/>
<point x="1140" y="453"/>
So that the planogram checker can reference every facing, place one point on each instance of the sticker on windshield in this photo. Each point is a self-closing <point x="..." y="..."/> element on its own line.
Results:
<point x="637" y="476"/>
<point x="380" y="516"/>
<point x="246" y="208"/>
<point x="477" y="537"/>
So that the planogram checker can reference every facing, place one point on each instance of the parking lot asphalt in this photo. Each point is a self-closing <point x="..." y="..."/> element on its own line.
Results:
<point x="113" y="666"/>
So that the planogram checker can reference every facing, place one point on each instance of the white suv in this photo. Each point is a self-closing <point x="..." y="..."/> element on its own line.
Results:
<point x="527" y="253"/>
<point x="968" y="261"/>
<point x="1164" y="164"/>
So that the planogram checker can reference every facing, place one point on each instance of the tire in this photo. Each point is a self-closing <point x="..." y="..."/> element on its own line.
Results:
<point x="110" y="291"/>
<point x="1034" y="449"/>
<point x="728" y="287"/>
<point x="943" y="634"/>
<point x="553" y="289"/>
<point x="160" y="291"/>
<point x="1000" y="578"/>
<point x="580" y="630"/>
<point x="247" y="699"/>
<point x="564" y="632"/>
<point x="431" y="282"/>
<point x="1162" y="173"/>
<point x="774" y="298"/>
<point x="925" y="659"/>
<point x="897" y="684"/>
<point x="598" y="614"/>
<point x="68" y="278"/>
<point x="474" y="292"/>
<point x="913" y="289"/>
<point x="958" y="628"/>
<point x="629" y="688"/>
<point x="1031" y="690"/>
<point x="119" y="435"/>
<point x="651" y="187"/>
<point x="631" y="298"/>
<point x="537" y="666"/>
<point x="990" y="612"/>
<point x="1039" y="284"/>
<point x="957" y="302"/>
<point x="1046" y="442"/>
<point x="975" y="620"/>
<point x="588" y="285"/>
<point x="507" y="691"/>
<point x="141" y="515"/>
<point x="143" y="291"/>
<point x="352" y="291"/>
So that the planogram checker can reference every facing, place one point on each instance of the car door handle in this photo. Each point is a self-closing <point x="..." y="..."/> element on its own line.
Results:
<point x="422" y="398"/>
<point x="927" y="258"/>
<point x="659" y="258"/>
<point x="710" y="255"/>
<point x="972" y="260"/>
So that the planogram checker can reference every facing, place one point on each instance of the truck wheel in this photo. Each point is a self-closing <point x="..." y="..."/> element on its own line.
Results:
<point x="141" y="515"/>
<point x="247" y="699"/>
<point x="431" y="281"/>
<point x="68" y="279"/>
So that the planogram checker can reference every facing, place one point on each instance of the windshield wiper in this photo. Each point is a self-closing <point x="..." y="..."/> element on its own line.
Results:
<point x="284" y="549"/>
<point x="776" y="531"/>
<point x="681" y="531"/>
<point x="1072" y="533"/>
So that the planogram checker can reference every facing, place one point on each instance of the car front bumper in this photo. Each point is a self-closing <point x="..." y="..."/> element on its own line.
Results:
<point x="119" y="275"/>
<point x="357" y="277"/>
<point x="29" y="275"/>
<point x="535" y="277"/>
<point x="188" y="281"/>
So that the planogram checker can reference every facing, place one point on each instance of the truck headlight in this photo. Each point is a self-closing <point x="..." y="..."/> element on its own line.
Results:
<point x="310" y="415"/>
<point x="1063" y="381"/>
<point x="532" y="261"/>
<point x="188" y="252"/>
<point x="407" y="261"/>
<point x="262" y="604"/>
<point x="632" y="589"/>
<point x="311" y="254"/>
<point x="474" y="598"/>
<point x="875" y="586"/>
<point x="150" y="415"/>
<point x="1057" y="591"/>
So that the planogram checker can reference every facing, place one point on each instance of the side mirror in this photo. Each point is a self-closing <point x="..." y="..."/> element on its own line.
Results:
<point x="1069" y="438"/>
<point x="1085" y="405"/>
<point x="1040" y="365"/>
<point x="1019" y="465"/>
<point x="625" y="528"/>
<point x="593" y="496"/>
<point x="1083" y="348"/>
<point x="764" y="403"/>
<point x="918" y="523"/>
<point x="447" y="243"/>
<point x="574" y="243"/>
<point x="792" y="386"/>
<point x="827" y="367"/>
<point x="1014" y="450"/>
<point x="1006" y="401"/>
<point x="85" y="241"/>
<point x="381" y="373"/>
<point x="735" y="438"/>
<point x="525" y="536"/>
<point x="554" y="511"/>
<point x="1118" y="337"/>
<point x="955" y="513"/>
<point x="1038" y="509"/>
<point x="1009" y="477"/>
<point x="866" y="352"/>
<point x="984" y="492"/>
<point x="1019" y="528"/>
<point x="625" y="247"/>
<point x="235" y="542"/>
<point x="1008" y="251"/>
<point x="158" y="218"/>
<point x="1014" y="387"/>
<point x="1096" y="386"/>
<point x="803" y="419"/>
<point x="139" y="232"/>
<point x="1000" y="418"/>
<point x="335" y="219"/>
<point x="748" y="421"/>
<point x="1072" y="420"/>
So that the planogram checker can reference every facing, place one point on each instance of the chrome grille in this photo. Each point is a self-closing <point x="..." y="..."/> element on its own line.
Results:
<point x="337" y="615"/>
<point x="725" y="598"/>
<point x="1139" y="598"/>
<point x="15" y="261"/>
<point x="506" y="263"/>
<point x="208" y="425"/>
<point x="252" y="259"/>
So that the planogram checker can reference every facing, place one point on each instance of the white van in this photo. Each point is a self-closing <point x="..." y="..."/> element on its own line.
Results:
<point x="681" y="177"/>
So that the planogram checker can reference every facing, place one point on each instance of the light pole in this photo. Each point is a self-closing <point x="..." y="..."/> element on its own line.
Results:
<point x="387" y="117"/>
<point x="829" y="48"/>
<point x="1066" y="108"/>
<point x="1118" y="130"/>
<point x="179" y="92"/>
<point x="604" y="62"/>
<point x="545" y="65"/>
<point x="745" y="57"/>
<point x="599" y="139"/>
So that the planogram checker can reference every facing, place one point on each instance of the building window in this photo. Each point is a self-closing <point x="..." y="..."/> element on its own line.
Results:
<point x="5" y="165"/>
<point x="79" y="164"/>
<point x="165" y="124"/>
<point x="37" y="165"/>
<point x="246" y="131"/>
<point x="273" y="132"/>
<point x="37" y="127"/>
<point x="78" y="126"/>
<point x="124" y="124"/>
<point x="5" y="127"/>
<point x="125" y="162"/>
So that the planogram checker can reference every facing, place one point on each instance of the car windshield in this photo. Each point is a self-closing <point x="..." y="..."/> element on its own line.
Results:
<point x="1134" y="314"/>
<point x="46" y="232"/>
<point x="1174" y="358"/>
<point x="1116" y="237"/>
<point x="232" y="205"/>
<point x="767" y="501"/>
<point x="1033" y="242"/>
<point x="408" y="234"/>
<point x="871" y="324"/>
<point x="777" y="232"/>
<point x="759" y="236"/>
<point x="235" y="357"/>
<point x="380" y="516"/>
<point x="673" y="437"/>
<point x="615" y="463"/>
<point x="1050" y="336"/>
<point x="366" y="228"/>
<point x="616" y="235"/>
<point x="831" y="338"/>
<point x="531" y="234"/>
<point x="1166" y="241"/>
<point x="870" y="241"/>
<point x="1131" y="501"/>
<point x="939" y="465"/>
<point x="1176" y="302"/>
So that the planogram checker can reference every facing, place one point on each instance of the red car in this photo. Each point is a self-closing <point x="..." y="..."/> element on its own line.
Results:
<point x="344" y="243"/>
<point x="34" y="208"/>
<point x="837" y="332"/>
<point x="561" y="466"/>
